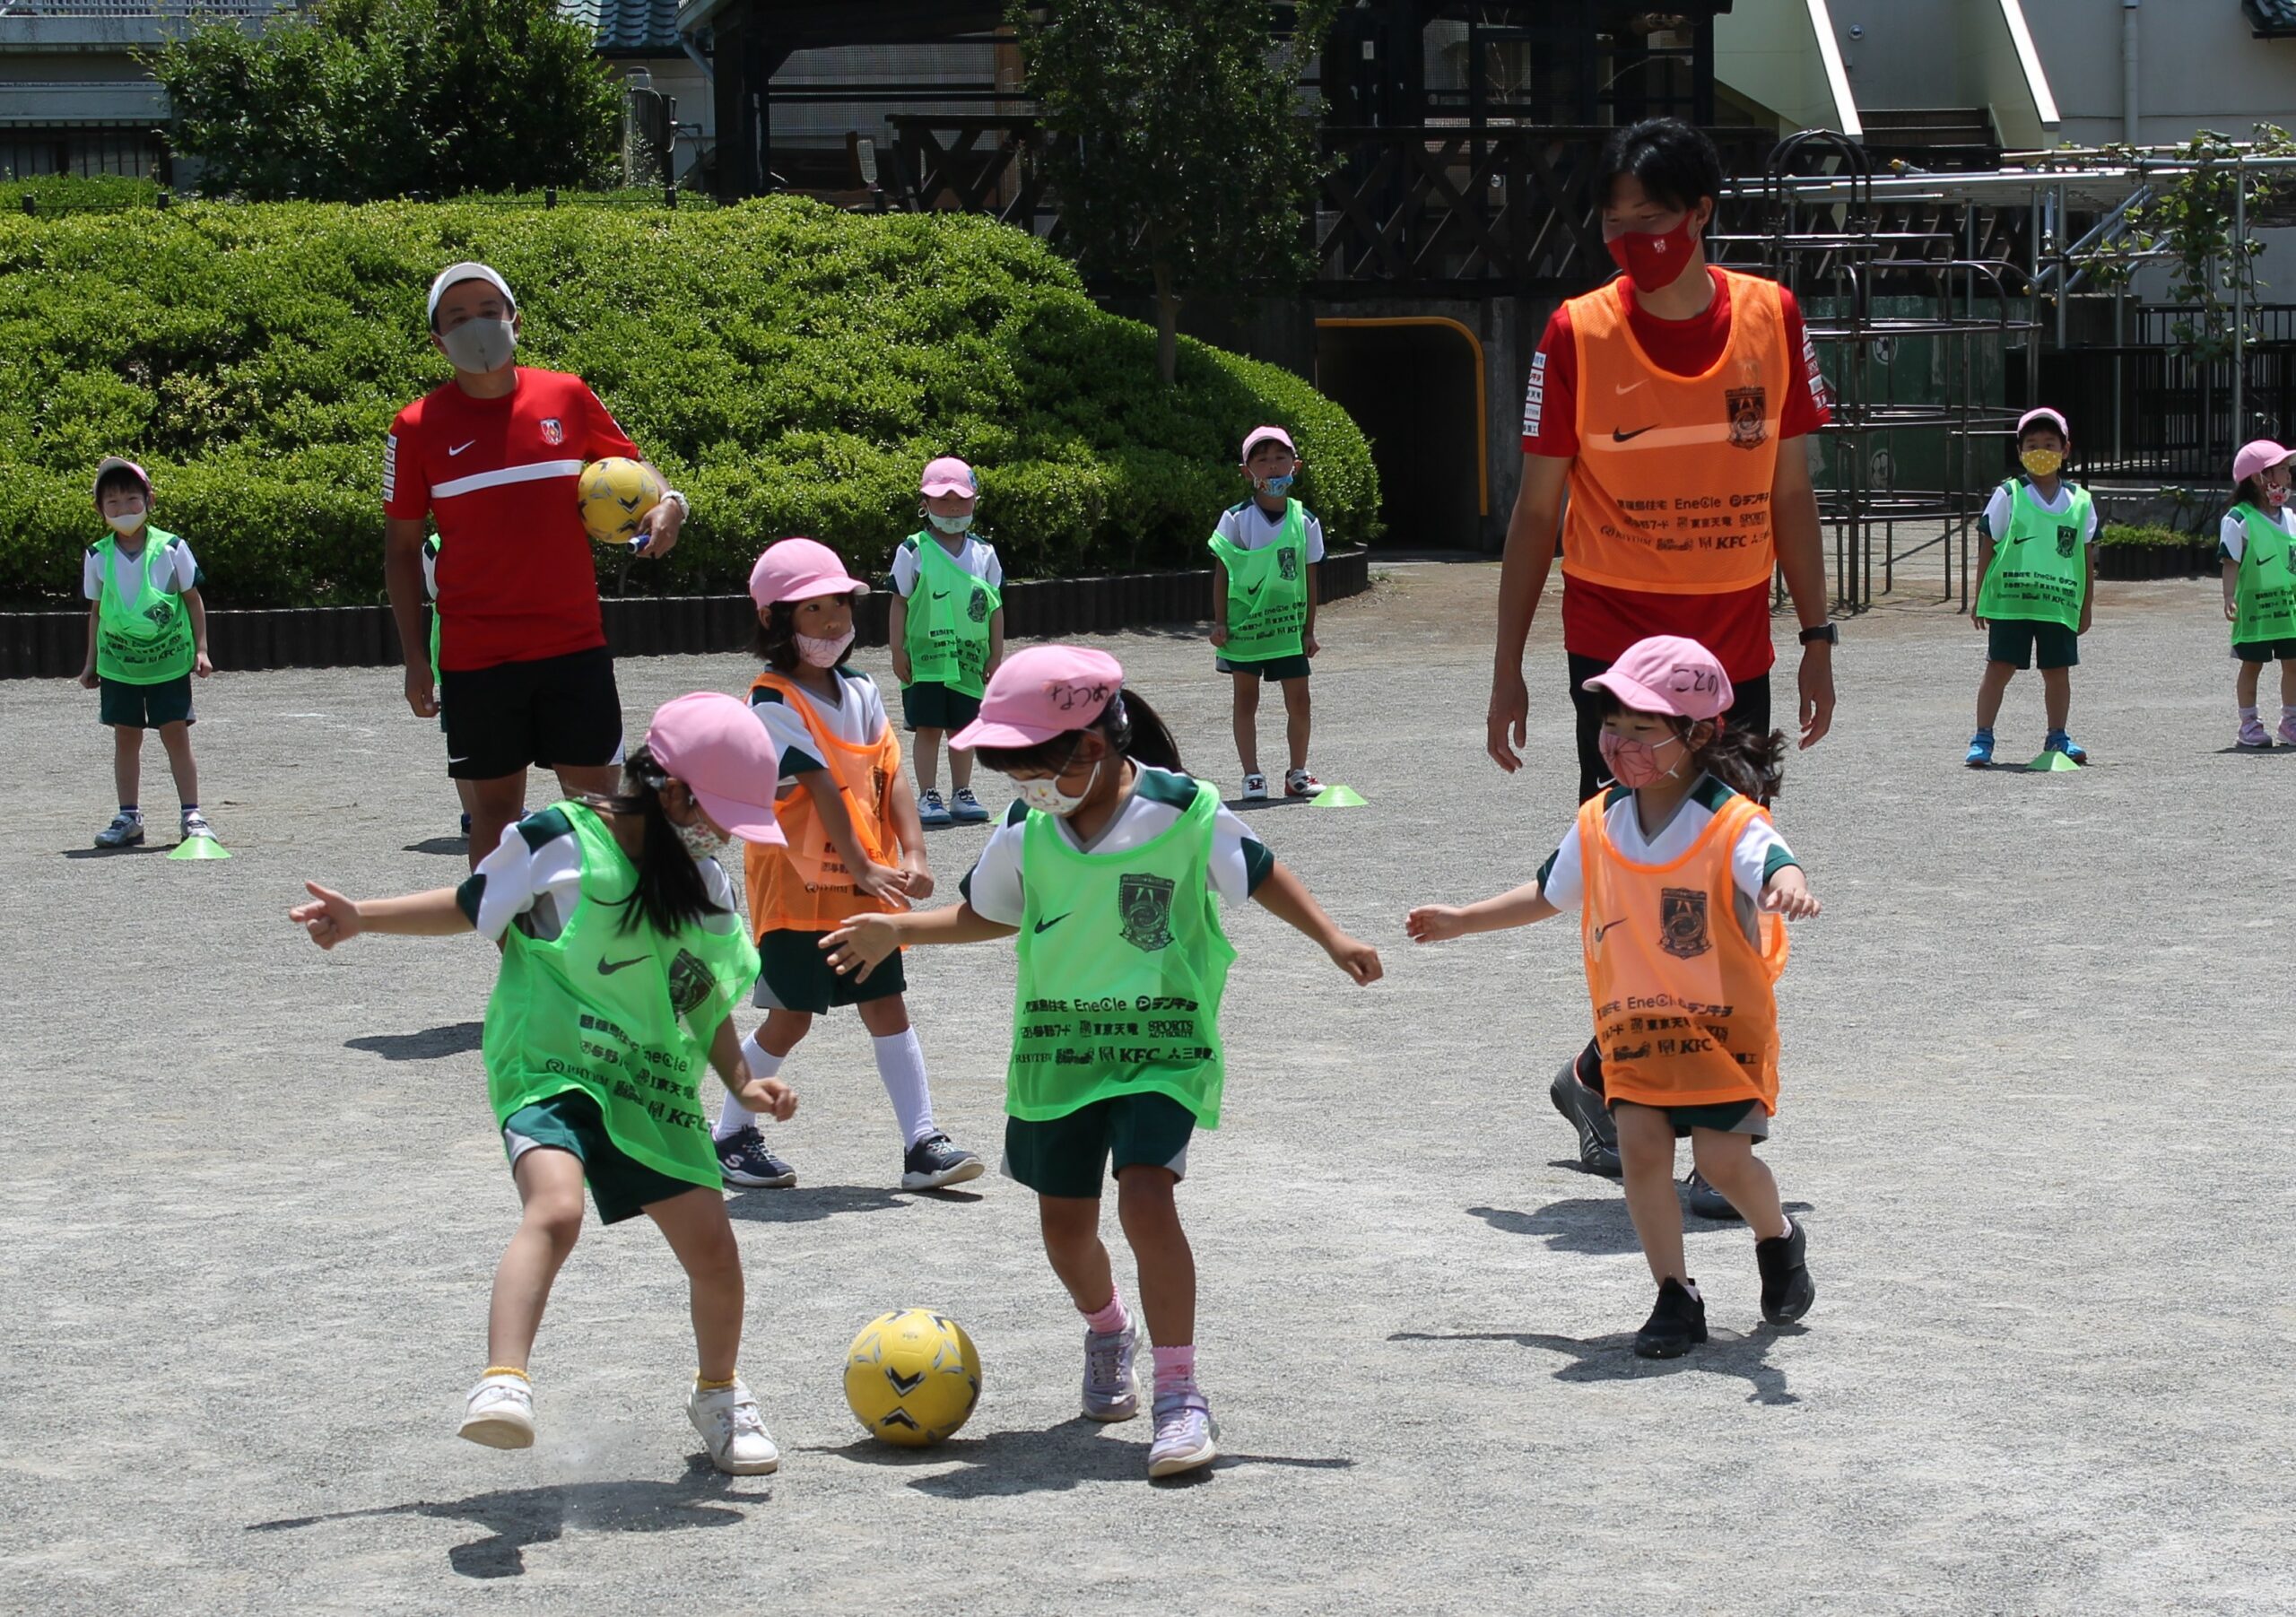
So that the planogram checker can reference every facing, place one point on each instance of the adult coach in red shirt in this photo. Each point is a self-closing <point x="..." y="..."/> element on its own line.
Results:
<point x="493" y="457"/>
<point x="1669" y="407"/>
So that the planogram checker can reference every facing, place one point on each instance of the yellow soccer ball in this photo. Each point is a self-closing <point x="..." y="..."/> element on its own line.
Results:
<point x="912" y="1377"/>
<point x="616" y="494"/>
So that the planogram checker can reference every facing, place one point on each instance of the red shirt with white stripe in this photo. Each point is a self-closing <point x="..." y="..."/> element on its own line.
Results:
<point x="1601" y="622"/>
<point x="498" y="475"/>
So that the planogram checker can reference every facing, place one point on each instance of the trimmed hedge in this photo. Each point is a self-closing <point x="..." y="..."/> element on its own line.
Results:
<point x="790" y="366"/>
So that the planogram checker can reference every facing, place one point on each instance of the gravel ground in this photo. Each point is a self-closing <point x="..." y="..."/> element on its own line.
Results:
<point x="250" y="1198"/>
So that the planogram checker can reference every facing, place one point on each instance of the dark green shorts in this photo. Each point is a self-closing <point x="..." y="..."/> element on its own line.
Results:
<point x="795" y="975"/>
<point x="928" y="705"/>
<point x="1730" y="1117"/>
<point x="1278" y="668"/>
<point x="2266" y="651"/>
<point x="2021" y="642"/>
<point x="1067" y="1156"/>
<point x="621" y="1186"/>
<point x="144" y="706"/>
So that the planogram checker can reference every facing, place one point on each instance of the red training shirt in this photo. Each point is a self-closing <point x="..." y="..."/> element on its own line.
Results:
<point x="1601" y="622"/>
<point x="515" y="579"/>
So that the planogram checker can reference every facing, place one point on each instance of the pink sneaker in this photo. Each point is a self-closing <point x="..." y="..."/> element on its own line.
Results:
<point x="2254" y="735"/>
<point x="2287" y="732"/>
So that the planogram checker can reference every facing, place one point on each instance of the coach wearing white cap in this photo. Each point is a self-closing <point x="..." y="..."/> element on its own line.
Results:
<point x="493" y="457"/>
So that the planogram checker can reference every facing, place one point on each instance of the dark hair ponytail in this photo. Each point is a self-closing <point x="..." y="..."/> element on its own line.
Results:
<point x="1133" y="730"/>
<point x="670" y="894"/>
<point x="2250" y="491"/>
<point x="1750" y="764"/>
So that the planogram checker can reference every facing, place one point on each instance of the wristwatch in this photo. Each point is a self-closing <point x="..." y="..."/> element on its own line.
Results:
<point x="1831" y="633"/>
<point x="685" y="506"/>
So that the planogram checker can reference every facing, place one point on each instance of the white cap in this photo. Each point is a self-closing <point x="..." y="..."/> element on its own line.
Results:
<point x="455" y="275"/>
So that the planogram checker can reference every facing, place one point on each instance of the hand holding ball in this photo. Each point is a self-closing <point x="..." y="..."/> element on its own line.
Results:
<point x="616" y="494"/>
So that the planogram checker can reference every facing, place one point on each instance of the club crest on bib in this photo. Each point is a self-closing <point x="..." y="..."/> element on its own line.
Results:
<point x="158" y="614"/>
<point x="1682" y="922"/>
<point x="1287" y="564"/>
<point x="1748" y="427"/>
<point x="553" y="431"/>
<point x="2067" y="535"/>
<point x="1145" y="903"/>
<point x="690" y="982"/>
<point x="976" y="609"/>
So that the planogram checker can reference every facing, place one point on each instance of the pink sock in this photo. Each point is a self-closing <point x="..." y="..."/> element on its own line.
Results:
<point x="1175" y="1369"/>
<point x="1110" y="1317"/>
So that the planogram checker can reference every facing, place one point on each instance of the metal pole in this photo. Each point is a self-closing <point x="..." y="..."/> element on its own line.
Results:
<point x="2240" y="299"/>
<point x="2063" y="269"/>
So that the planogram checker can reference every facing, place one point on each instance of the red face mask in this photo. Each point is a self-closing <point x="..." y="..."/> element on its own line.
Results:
<point x="1655" y="262"/>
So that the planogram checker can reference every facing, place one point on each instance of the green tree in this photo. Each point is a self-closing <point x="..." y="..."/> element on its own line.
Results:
<point x="360" y="99"/>
<point x="1178" y="140"/>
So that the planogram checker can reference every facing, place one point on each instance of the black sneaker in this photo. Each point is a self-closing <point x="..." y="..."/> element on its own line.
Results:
<point x="1707" y="1202"/>
<point x="1678" y="1321"/>
<point x="1584" y="1110"/>
<point x="744" y="1160"/>
<point x="1787" y="1289"/>
<point x="933" y="1162"/>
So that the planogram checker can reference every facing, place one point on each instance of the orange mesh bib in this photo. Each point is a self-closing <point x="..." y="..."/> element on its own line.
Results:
<point x="805" y="886"/>
<point x="1683" y="1008"/>
<point x="1670" y="492"/>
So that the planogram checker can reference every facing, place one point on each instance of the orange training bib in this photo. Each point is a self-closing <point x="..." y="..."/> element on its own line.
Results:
<point x="805" y="886"/>
<point x="1670" y="492"/>
<point x="1684" y="1009"/>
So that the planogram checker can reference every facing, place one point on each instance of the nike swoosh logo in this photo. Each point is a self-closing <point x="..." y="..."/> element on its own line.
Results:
<point x="458" y="448"/>
<point x="1256" y="589"/>
<point x="1606" y="926"/>
<point x="1630" y="386"/>
<point x="1056" y="920"/>
<point x="608" y="967"/>
<point x="940" y="594"/>
<point x="1619" y="435"/>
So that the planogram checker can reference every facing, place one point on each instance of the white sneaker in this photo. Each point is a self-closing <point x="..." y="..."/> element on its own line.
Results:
<point x="729" y="1423"/>
<point x="195" y="824"/>
<point x="1254" y="787"/>
<point x="123" y="831"/>
<point x="501" y="1413"/>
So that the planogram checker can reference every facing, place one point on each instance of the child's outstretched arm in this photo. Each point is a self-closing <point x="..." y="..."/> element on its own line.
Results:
<point x="1433" y="923"/>
<point x="330" y="919"/>
<point x="854" y="948"/>
<point x="1283" y="895"/>
<point x="756" y="1094"/>
<point x="878" y="881"/>
<point x="1788" y="894"/>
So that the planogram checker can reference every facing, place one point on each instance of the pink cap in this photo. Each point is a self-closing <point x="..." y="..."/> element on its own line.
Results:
<point x="1262" y="435"/>
<point x="2258" y="456"/>
<point x="709" y="740"/>
<point x="1667" y="673"/>
<point x="798" y="569"/>
<point x="1044" y="692"/>
<point x="2044" y="413"/>
<point x="113" y="462"/>
<point x="949" y="475"/>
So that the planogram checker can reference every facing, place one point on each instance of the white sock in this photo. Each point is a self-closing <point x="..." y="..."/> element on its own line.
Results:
<point x="734" y="1116"/>
<point x="2247" y="714"/>
<point x="900" y="1064"/>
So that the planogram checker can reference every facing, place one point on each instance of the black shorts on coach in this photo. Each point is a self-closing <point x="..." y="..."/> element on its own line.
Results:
<point x="555" y="712"/>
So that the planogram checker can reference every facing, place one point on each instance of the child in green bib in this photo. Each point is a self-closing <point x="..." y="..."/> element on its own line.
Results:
<point x="624" y="956"/>
<point x="147" y="636"/>
<point x="946" y="623"/>
<point x="1265" y="551"/>
<point x="1108" y="874"/>
<point x="2257" y="544"/>
<point x="2037" y="570"/>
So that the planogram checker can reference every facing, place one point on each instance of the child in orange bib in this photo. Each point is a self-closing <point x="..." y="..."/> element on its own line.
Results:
<point x="855" y="848"/>
<point x="1683" y="889"/>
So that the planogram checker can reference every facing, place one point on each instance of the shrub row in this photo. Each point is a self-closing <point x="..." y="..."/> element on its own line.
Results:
<point x="790" y="366"/>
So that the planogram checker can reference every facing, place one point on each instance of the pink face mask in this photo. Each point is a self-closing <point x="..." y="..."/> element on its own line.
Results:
<point x="1655" y="262"/>
<point x="1634" y="764"/>
<point x="2273" y="497"/>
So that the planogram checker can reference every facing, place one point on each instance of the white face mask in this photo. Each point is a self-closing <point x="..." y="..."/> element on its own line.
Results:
<point x="823" y="654"/>
<point x="951" y="526"/>
<point x="701" y="841"/>
<point x="478" y="346"/>
<point x="125" y="525"/>
<point x="1046" y="797"/>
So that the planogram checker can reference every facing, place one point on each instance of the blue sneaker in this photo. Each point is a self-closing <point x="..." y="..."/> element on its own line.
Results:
<point x="966" y="809"/>
<point x="1980" y="750"/>
<point x="2059" y="742"/>
<point x="931" y="811"/>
